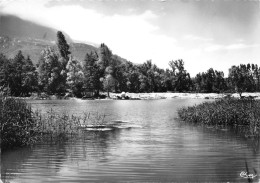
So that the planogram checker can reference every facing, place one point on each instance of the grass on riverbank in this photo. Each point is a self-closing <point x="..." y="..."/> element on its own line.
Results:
<point x="242" y="114"/>
<point x="20" y="126"/>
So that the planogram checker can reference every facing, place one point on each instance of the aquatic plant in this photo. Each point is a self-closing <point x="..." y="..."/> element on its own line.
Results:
<point x="20" y="125"/>
<point x="94" y="119"/>
<point x="242" y="114"/>
<point x="17" y="123"/>
<point x="55" y="125"/>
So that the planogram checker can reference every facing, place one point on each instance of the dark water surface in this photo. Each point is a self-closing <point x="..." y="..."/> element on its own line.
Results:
<point x="155" y="148"/>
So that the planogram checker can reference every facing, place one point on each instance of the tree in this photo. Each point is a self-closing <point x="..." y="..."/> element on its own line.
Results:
<point x="51" y="73"/>
<point x="256" y="76"/>
<point x="105" y="56"/>
<point x="109" y="83"/>
<point x="144" y="83"/>
<point x="92" y="73"/>
<point x="63" y="59"/>
<point x="147" y="77"/>
<point x="219" y="83"/>
<point x="148" y="72"/>
<point x="75" y="76"/>
<point x="181" y="78"/>
<point x="133" y="82"/>
<point x="167" y="78"/>
<point x="241" y="79"/>
<point x="30" y="77"/>
<point x="158" y="80"/>
<point x="210" y="81"/>
<point x="5" y="74"/>
<point x="120" y="74"/>
<point x="131" y="75"/>
<point x="63" y="46"/>
<point x="198" y="82"/>
<point x="16" y="74"/>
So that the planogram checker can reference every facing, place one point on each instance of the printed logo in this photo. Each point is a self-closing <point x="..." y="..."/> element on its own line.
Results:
<point x="246" y="175"/>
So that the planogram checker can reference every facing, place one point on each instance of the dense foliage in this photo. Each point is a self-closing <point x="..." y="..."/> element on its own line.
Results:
<point x="18" y="76"/>
<point x="58" y="72"/>
<point x="242" y="114"/>
<point x="211" y="81"/>
<point x="245" y="78"/>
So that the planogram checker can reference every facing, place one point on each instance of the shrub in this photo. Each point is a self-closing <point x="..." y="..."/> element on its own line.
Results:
<point x="241" y="113"/>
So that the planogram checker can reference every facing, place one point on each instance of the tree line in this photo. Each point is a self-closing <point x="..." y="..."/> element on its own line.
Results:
<point x="58" y="72"/>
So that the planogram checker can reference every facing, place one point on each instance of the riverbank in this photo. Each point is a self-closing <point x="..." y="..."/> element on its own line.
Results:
<point x="150" y="96"/>
<point x="241" y="115"/>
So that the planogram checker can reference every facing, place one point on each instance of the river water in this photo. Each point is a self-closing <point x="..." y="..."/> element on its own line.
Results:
<point x="155" y="147"/>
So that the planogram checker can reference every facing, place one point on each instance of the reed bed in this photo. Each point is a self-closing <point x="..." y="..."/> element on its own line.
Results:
<point x="241" y="114"/>
<point x="21" y="126"/>
<point x="56" y="124"/>
<point x="17" y="123"/>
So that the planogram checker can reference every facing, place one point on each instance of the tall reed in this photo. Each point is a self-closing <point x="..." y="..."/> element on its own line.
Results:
<point x="21" y="126"/>
<point x="59" y="124"/>
<point x="243" y="114"/>
<point x="17" y="123"/>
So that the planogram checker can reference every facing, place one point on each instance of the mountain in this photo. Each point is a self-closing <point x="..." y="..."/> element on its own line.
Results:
<point x="13" y="26"/>
<point x="10" y="46"/>
<point x="17" y="34"/>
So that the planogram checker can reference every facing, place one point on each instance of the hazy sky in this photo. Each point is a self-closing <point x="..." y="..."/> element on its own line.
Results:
<point x="204" y="33"/>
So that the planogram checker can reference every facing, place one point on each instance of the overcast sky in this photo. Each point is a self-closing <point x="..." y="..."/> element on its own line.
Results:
<point x="204" y="33"/>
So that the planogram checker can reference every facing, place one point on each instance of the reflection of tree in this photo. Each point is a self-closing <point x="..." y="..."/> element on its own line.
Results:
<point x="46" y="158"/>
<point x="0" y="159"/>
<point x="244" y="154"/>
<point x="49" y="158"/>
<point x="223" y="152"/>
<point x="94" y="145"/>
<point x="12" y="161"/>
<point x="254" y="143"/>
<point x="254" y="166"/>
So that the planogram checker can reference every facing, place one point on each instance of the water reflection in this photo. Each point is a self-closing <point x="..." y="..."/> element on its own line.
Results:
<point x="162" y="150"/>
<point x="228" y="154"/>
<point x="12" y="164"/>
<point x="50" y="162"/>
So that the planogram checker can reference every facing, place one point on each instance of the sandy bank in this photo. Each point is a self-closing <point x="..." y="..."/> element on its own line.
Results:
<point x="147" y="96"/>
<point x="154" y="96"/>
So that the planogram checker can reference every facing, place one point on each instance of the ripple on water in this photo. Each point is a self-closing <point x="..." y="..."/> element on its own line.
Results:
<point x="142" y="141"/>
<point x="112" y="125"/>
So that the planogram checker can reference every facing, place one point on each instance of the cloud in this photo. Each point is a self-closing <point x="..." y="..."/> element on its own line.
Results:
<point x="190" y="37"/>
<point x="214" y="47"/>
<point x="5" y="2"/>
<point x="240" y="46"/>
<point x="131" y="36"/>
<point x="237" y="46"/>
<point x="180" y="31"/>
<point x="79" y="22"/>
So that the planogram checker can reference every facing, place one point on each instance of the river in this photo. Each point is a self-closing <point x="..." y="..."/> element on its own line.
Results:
<point x="155" y="147"/>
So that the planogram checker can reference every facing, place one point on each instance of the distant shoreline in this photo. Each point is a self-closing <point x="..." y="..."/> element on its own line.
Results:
<point x="167" y="95"/>
<point x="154" y="96"/>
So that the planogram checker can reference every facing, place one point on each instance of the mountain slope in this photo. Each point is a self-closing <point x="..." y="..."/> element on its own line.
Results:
<point x="17" y="34"/>
<point x="33" y="47"/>
<point x="13" y="26"/>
